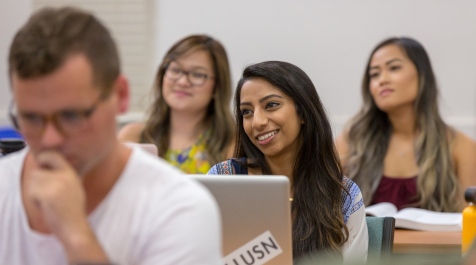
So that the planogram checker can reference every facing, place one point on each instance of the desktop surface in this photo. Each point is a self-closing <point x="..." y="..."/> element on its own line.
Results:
<point x="412" y="241"/>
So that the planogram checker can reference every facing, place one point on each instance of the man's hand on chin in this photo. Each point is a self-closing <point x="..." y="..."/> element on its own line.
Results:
<point x="56" y="189"/>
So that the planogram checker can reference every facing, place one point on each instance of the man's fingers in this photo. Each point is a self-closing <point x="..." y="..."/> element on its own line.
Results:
<point x="51" y="160"/>
<point x="40" y="183"/>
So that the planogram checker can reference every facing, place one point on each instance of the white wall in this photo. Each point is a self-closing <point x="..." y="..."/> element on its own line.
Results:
<point x="13" y="14"/>
<point x="331" y="42"/>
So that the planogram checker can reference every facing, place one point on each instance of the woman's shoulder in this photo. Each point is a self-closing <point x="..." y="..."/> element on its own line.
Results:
<point x="230" y="150"/>
<point x="464" y="155"/>
<point x="463" y="148"/>
<point x="351" y="187"/>
<point x="222" y="168"/>
<point x="352" y="200"/>
<point x="342" y="144"/>
<point x="462" y="142"/>
<point x="228" y="167"/>
<point x="131" y="132"/>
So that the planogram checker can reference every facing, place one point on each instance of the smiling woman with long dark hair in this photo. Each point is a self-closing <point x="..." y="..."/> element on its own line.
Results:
<point x="282" y="129"/>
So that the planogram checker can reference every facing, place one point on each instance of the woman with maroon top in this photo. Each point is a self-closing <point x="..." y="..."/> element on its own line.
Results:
<point x="397" y="148"/>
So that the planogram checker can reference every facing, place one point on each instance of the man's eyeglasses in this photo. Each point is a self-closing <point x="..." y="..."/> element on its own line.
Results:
<point x="174" y="73"/>
<point x="66" y="122"/>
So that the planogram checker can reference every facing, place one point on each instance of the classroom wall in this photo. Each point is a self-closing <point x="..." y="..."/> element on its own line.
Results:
<point x="331" y="42"/>
<point x="13" y="13"/>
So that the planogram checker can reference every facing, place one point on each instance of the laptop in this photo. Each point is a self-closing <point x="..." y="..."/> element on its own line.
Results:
<point x="256" y="217"/>
<point x="149" y="148"/>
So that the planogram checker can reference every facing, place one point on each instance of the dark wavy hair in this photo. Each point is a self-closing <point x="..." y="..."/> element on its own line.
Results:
<point x="318" y="223"/>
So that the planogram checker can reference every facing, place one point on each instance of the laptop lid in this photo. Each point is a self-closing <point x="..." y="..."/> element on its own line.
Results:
<point x="150" y="148"/>
<point x="256" y="217"/>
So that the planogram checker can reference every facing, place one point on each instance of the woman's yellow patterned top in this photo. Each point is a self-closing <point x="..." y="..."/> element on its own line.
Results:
<point x="193" y="160"/>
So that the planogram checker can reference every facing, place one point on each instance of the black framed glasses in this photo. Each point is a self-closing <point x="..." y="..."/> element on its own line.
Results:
<point x="195" y="78"/>
<point x="66" y="121"/>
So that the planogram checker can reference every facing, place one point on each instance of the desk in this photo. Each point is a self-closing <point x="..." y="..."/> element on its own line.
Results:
<point x="425" y="242"/>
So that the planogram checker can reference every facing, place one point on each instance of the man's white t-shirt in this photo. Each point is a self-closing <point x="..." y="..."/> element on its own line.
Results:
<point x="152" y="215"/>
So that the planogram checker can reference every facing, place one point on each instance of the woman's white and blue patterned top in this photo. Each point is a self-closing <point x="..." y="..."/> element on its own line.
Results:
<point x="353" y="210"/>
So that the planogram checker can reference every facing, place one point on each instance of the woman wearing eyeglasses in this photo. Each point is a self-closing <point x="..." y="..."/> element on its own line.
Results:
<point x="190" y="120"/>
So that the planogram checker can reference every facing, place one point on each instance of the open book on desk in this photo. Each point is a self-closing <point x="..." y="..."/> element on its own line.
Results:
<point x="417" y="219"/>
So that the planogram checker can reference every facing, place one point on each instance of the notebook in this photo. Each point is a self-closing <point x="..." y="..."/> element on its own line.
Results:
<point x="417" y="219"/>
<point x="256" y="217"/>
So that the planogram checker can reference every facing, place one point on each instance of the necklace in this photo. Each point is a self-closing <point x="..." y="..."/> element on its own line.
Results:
<point x="403" y="154"/>
<point x="401" y="145"/>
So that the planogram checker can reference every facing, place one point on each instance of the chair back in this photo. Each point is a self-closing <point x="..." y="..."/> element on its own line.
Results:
<point x="9" y="132"/>
<point x="381" y="232"/>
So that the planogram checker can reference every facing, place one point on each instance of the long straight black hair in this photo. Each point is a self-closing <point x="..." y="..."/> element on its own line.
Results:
<point x="318" y="223"/>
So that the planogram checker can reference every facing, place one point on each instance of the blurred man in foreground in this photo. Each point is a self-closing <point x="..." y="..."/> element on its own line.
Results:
<point x="76" y="195"/>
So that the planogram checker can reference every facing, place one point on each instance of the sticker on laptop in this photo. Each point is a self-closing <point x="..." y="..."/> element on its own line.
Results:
<point x="257" y="252"/>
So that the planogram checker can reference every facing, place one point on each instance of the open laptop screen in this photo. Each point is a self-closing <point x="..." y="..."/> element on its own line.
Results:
<point x="256" y="217"/>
